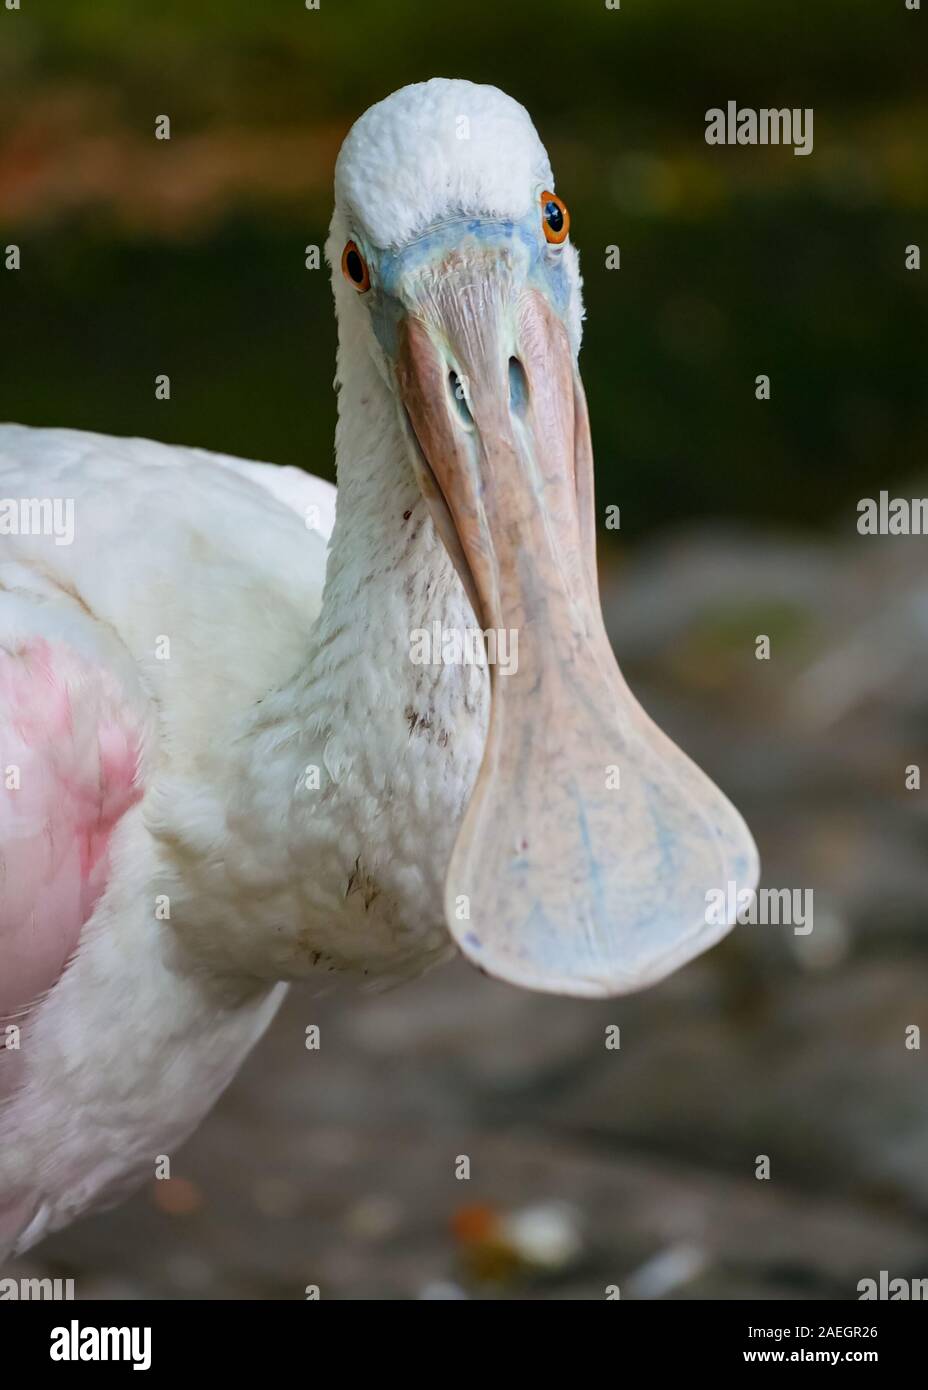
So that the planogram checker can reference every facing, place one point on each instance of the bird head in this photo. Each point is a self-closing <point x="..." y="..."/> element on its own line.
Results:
<point x="590" y="842"/>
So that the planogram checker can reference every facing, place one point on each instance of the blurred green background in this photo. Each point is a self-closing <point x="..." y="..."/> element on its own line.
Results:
<point x="738" y="518"/>
<point x="187" y="256"/>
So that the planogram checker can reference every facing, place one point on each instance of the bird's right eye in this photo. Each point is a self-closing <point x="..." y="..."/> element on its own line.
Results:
<point x="354" y="268"/>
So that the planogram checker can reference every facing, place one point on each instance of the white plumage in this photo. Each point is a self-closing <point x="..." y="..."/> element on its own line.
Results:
<point x="285" y="787"/>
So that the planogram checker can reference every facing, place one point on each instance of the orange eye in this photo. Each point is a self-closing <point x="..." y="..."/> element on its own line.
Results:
<point x="554" y="218"/>
<point x="354" y="268"/>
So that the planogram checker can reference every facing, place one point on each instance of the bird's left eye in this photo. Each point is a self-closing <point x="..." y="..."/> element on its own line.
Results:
<point x="354" y="268"/>
<point x="554" y="218"/>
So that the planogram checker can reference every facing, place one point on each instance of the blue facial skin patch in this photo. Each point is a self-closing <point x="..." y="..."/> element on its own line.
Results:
<point x="535" y="265"/>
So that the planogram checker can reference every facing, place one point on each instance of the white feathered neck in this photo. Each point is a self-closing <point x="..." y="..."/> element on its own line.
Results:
<point x="348" y="874"/>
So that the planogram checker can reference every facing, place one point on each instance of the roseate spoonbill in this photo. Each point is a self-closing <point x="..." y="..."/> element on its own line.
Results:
<point x="223" y="769"/>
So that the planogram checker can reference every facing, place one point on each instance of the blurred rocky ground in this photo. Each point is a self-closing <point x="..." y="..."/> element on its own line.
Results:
<point x="635" y="1167"/>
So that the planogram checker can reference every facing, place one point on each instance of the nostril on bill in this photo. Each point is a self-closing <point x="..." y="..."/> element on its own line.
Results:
<point x="518" y="387"/>
<point x="459" y="398"/>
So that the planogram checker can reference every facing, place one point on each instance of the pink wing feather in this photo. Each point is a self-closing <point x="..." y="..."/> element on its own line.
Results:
<point x="69" y="759"/>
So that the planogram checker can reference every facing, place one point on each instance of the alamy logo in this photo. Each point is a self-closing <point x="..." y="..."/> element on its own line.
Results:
<point x="764" y="906"/>
<point x="76" y="1343"/>
<point x="469" y="646"/>
<point x="38" y="516"/>
<point x="892" y="516"/>
<point x="765" y="126"/>
<point x="36" y="1290"/>
<point x="892" y="1289"/>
